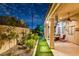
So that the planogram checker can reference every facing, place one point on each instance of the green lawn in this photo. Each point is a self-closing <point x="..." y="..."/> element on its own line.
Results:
<point x="43" y="49"/>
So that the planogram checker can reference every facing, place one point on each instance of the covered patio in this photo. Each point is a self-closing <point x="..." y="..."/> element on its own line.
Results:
<point x="62" y="23"/>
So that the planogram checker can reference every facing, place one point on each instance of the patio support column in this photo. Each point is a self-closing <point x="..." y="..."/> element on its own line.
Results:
<point x="51" y="33"/>
<point x="46" y="31"/>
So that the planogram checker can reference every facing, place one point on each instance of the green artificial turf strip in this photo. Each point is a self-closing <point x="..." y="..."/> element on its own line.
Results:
<point x="42" y="43"/>
<point x="43" y="49"/>
<point x="44" y="54"/>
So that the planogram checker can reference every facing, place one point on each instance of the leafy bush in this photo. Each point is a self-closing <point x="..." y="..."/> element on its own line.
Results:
<point x="30" y="43"/>
<point x="30" y="40"/>
<point x="36" y="37"/>
<point x="33" y="36"/>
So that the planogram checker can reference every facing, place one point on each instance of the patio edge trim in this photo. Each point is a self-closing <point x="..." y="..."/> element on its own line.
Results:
<point x="35" y="49"/>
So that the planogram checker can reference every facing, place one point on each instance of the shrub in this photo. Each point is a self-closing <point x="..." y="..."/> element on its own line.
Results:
<point x="30" y="43"/>
<point x="36" y="37"/>
<point x="30" y="40"/>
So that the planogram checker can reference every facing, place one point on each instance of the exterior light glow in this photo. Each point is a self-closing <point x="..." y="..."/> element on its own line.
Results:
<point x="47" y="22"/>
<point x="60" y="18"/>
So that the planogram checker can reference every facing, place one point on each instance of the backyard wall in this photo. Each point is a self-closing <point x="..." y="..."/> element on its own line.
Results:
<point x="9" y="44"/>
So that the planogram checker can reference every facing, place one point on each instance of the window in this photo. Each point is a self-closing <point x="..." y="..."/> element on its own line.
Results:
<point x="71" y="30"/>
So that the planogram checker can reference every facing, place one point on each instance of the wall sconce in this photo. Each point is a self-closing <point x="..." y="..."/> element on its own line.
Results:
<point x="47" y="22"/>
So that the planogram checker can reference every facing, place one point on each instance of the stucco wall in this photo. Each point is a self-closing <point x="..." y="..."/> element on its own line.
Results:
<point x="9" y="44"/>
<point x="74" y="36"/>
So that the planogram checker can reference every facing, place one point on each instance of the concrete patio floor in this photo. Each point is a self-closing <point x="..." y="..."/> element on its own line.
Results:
<point x="65" y="49"/>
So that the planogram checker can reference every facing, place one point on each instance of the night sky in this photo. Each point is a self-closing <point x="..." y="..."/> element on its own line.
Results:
<point x="25" y="11"/>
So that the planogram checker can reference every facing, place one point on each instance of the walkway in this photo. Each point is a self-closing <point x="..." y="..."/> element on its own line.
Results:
<point x="43" y="49"/>
<point x="66" y="49"/>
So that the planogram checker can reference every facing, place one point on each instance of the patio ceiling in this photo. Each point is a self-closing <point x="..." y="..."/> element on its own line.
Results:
<point x="64" y="10"/>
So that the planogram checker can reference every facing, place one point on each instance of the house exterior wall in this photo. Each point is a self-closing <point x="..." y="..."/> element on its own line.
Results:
<point x="71" y="34"/>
